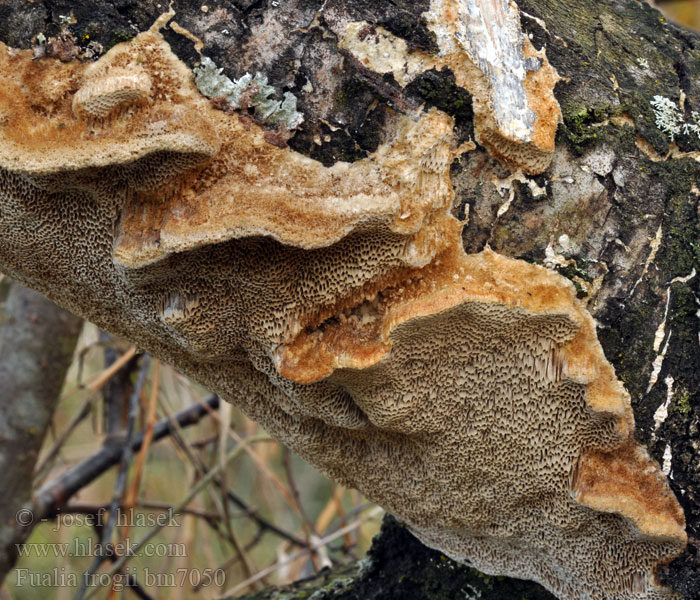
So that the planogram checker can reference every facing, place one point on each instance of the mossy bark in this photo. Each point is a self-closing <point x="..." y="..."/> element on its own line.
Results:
<point x="617" y="212"/>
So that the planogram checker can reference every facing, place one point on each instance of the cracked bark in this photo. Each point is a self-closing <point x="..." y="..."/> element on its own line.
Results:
<point x="614" y="212"/>
<point x="37" y="339"/>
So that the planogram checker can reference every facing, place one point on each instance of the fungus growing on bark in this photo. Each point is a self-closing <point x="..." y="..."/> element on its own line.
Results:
<point x="467" y="394"/>
<point x="515" y="111"/>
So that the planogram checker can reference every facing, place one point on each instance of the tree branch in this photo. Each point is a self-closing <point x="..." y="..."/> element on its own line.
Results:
<point x="37" y="340"/>
<point x="51" y="497"/>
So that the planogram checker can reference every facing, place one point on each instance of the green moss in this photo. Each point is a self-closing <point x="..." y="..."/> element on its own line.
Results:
<point x="629" y="346"/>
<point x="681" y="400"/>
<point x="500" y="236"/>
<point x="336" y="585"/>
<point x="578" y="128"/>
<point x="325" y="586"/>
<point x="680" y="251"/>
<point x="122" y="35"/>
<point x="575" y="274"/>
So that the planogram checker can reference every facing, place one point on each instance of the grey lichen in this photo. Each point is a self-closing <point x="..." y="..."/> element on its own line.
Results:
<point x="246" y="92"/>
<point x="670" y="119"/>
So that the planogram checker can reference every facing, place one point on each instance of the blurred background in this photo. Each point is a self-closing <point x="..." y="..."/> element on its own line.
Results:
<point x="227" y="509"/>
<point x="686" y="12"/>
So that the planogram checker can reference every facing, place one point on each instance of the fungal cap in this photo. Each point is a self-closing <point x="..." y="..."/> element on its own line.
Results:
<point x="279" y="193"/>
<point x="468" y="394"/>
<point x="121" y="88"/>
<point x="61" y="117"/>
<point x="628" y="482"/>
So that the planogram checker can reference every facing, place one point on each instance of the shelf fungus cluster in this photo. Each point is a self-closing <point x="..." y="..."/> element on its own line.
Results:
<point x="467" y="394"/>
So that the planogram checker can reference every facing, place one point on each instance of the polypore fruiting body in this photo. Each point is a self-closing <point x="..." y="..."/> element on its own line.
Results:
<point x="121" y="88"/>
<point x="466" y="394"/>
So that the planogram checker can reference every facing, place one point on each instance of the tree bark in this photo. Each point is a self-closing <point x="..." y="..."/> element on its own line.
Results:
<point x="37" y="339"/>
<point x="616" y="212"/>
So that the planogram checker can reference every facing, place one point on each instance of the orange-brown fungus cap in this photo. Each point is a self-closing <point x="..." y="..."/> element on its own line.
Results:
<point x="467" y="394"/>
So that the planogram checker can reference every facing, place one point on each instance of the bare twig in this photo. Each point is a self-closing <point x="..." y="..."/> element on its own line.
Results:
<point x="286" y="461"/>
<point x="199" y="486"/>
<point x="185" y="447"/>
<point x="317" y="545"/>
<point x="249" y="511"/>
<point x="99" y="380"/>
<point x="49" y="499"/>
<point x="94" y="509"/>
<point x="44" y="465"/>
<point x="133" y="491"/>
<point x="232" y="560"/>
<point x="265" y="469"/>
<point x="84" y="411"/>
<point x="225" y="420"/>
<point x="120" y="485"/>
<point x="318" y="561"/>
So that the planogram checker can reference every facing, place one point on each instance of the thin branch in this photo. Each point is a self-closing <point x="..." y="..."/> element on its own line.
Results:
<point x="249" y="511"/>
<point x="203" y="443"/>
<point x="166" y="507"/>
<point x="198" y="487"/>
<point x="133" y="491"/>
<point x="44" y="465"/>
<point x="120" y="485"/>
<point x="182" y="444"/>
<point x="224" y="422"/>
<point x="317" y="545"/>
<point x="232" y="560"/>
<point x="289" y="472"/>
<point x="84" y="411"/>
<point x="100" y="379"/>
<point x="265" y="470"/>
<point x="136" y="588"/>
<point x="49" y="499"/>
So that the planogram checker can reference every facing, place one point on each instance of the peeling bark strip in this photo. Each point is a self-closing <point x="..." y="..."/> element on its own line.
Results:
<point x="512" y="85"/>
<point x="515" y="112"/>
<point x="335" y="303"/>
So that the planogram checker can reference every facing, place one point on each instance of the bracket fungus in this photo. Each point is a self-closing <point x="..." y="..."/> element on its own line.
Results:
<point x="467" y="394"/>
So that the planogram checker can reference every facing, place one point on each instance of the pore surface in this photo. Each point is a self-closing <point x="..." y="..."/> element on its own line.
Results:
<point x="466" y="394"/>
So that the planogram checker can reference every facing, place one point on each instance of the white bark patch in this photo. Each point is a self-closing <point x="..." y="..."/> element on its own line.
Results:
<point x="658" y="338"/>
<point x="600" y="160"/>
<point x="506" y="185"/>
<point x="685" y="279"/>
<point x="654" y="244"/>
<point x="552" y="259"/>
<point x="666" y="468"/>
<point x="515" y="111"/>
<point x="382" y="52"/>
<point x="661" y="329"/>
<point x="490" y="33"/>
<point x="661" y="413"/>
